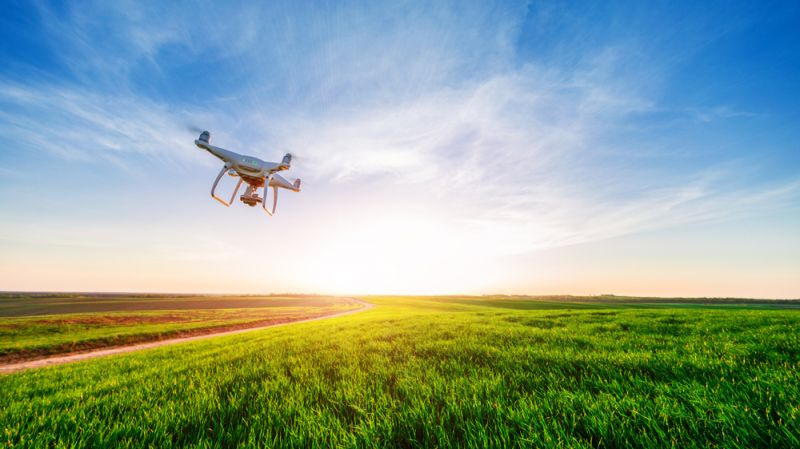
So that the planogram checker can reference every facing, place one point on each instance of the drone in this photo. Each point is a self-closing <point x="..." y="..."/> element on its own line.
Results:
<point x="252" y="170"/>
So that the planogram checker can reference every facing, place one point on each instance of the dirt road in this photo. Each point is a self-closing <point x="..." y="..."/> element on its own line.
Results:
<point x="77" y="357"/>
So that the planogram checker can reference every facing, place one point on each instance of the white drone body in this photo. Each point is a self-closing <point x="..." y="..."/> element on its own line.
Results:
<point x="252" y="170"/>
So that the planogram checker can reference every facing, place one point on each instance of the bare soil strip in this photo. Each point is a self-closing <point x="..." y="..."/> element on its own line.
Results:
<point x="128" y="340"/>
<point x="79" y="356"/>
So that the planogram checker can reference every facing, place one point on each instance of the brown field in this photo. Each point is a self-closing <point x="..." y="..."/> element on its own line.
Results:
<point x="36" y="326"/>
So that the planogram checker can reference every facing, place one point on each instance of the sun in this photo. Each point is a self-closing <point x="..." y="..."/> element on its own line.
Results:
<point x="398" y="254"/>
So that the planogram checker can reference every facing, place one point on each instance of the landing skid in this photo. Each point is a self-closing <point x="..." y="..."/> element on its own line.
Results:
<point x="274" y="197"/>
<point x="250" y="196"/>
<point x="214" y="188"/>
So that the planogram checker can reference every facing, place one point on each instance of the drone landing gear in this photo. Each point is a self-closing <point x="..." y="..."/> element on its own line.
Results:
<point x="274" y="197"/>
<point x="250" y="196"/>
<point x="214" y="187"/>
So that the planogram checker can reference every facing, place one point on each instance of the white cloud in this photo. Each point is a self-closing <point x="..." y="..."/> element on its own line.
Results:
<point x="515" y="157"/>
<point x="78" y="124"/>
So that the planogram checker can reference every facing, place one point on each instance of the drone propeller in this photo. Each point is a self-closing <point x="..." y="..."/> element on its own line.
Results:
<point x="298" y="157"/>
<point x="194" y="129"/>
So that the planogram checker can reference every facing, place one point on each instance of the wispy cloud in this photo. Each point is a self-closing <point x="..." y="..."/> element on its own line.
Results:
<point x="516" y="155"/>
<point x="518" y="160"/>
<point x="77" y="124"/>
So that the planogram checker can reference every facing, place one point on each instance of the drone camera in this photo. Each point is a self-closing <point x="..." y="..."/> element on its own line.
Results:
<point x="251" y="200"/>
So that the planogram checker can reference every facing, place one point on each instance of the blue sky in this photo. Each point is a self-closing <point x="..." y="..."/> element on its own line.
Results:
<point x="542" y="147"/>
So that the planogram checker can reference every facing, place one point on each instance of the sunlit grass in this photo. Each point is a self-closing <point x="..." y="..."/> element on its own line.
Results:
<point x="437" y="373"/>
<point x="111" y="321"/>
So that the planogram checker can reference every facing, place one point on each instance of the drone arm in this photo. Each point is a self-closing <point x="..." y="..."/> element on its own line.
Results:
<point x="221" y="153"/>
<point x="280" y="181"/>
<point x="214" y="187"/>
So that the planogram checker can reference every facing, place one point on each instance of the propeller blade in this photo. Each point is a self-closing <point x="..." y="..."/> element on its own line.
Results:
<point x="194" y="129"/>
<point x="297" y="157"/>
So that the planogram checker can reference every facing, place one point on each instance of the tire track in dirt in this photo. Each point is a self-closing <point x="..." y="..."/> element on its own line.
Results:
<point x="71" y="358"/>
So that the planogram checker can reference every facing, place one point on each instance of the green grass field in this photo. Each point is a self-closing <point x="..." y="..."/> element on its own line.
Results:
<point x="440" y="372"/>
<point x="82" y="322"/>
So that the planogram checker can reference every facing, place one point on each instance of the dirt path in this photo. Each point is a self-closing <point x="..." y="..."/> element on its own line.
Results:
<point x="77" y="357"/>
